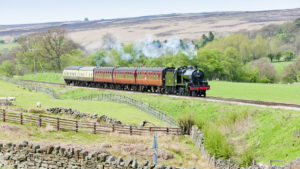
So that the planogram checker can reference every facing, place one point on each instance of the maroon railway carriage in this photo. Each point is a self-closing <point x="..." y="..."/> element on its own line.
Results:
<point x="183" y="80"/>
<point x="124" y="75"/>
<point x="104" y="74"/>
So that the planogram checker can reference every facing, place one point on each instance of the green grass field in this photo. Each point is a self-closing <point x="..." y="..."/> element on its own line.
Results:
<point x="279" y="66"/>
<point x="268" y="133"/>
<point x="28" y="99"/>
<point x="285" y="93"/>
<point x="262" y="130"/>
<point x="43" y="77"/>
<point x="7" y="46"/>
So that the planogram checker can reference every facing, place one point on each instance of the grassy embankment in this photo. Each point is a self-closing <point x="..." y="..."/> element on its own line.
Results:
<point x="184" y="153"/>
<point x="286" y="93"/>
<point x="28" y="99"/>
<point x="242" y="132"/>
<point x="251" y="132"/>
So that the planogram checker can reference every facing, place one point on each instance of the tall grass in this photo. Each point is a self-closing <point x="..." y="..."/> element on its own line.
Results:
<point x="186" y="123"/>
<point x="216" y="143"/>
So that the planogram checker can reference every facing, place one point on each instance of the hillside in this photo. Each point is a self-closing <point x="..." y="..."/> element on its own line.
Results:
<point x="185" y="26"/>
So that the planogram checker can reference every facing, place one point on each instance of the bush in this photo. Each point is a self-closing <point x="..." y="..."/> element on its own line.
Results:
<point x="266" y="71"/>
<point x="292" y="72"/>
<point x="7" y="68"/>
<point x="186" y="123"/>
<point x="216" y="143"/>
<point x="246" y="158"/>
<point x="37" y="111"/>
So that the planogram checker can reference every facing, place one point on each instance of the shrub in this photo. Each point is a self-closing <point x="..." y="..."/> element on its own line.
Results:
<point x="37" y="111"/>
<point x="186" y="123"/>
<point x="216" y="143"/>
<point x="246" y="158"/>
<point x="266" y="70"/>
<point x="7" y="68"/>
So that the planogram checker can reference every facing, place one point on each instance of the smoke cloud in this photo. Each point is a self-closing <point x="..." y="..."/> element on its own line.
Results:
<point x="148" y="47"/>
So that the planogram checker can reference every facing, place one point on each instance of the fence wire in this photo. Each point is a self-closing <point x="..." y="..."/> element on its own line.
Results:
<point x="145" y="107"/>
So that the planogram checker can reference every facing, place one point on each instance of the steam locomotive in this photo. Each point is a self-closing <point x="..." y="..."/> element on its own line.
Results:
<point x="183" y="80"/>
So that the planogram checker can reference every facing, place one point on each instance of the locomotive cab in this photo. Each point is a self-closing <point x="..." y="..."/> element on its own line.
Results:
<point x="191" y="81"/>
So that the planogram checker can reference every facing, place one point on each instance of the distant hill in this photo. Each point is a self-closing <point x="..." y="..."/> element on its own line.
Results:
<point x="186" y="26"/>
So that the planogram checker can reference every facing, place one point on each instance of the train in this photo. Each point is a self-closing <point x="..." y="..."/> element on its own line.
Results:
<point x="182" y="80"/>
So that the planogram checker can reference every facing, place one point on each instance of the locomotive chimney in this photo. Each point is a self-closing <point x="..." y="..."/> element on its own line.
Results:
<point x="196" y="67"/>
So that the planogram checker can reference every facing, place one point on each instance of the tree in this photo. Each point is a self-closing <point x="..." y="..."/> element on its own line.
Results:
<point x="271" y="56"/>
<point x="45" y="48"/>
<point x="297" y="22"/>
<point x="211" y="36"/>
<point x="278" y="55"/>
<point x="7" y="68"/>
<point x="266" y="70"/>
<point x="260" y="47"/>
<point x="86" y="19"/>
<point x="288" y="55"/>
<point x="292" y="72"/>
<point x="2" y="41"/>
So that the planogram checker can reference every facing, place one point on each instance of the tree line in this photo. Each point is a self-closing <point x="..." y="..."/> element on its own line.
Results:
<point x="237" y="57"/>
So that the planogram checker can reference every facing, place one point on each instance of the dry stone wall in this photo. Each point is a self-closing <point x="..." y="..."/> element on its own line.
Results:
<point x="78" y="114"/>
<point x="27" y="155"/>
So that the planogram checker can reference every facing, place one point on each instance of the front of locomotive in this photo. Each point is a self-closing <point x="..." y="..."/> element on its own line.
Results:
<point x="196" y="83"/>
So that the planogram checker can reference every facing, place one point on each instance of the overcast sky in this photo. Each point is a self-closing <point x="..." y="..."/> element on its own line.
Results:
<point x="36" y="11"/>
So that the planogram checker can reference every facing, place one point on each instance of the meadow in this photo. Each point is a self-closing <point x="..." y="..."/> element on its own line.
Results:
<point x="43" y="77"/>
<point x="244" y="131"/>
<point x="262" y="133"/>
<point x="27" y="99"/>
<point x="279" y="66"/>
<point x="7" y="46"/>
<point x="285" y="93"/>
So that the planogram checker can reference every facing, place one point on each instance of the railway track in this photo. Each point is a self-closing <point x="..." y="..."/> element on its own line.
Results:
<point x="215" y="99"/>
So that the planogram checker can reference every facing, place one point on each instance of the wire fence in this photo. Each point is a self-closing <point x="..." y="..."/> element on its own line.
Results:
<point x="163" y="116"/>
<point x="78" y="126"/>
<point x="145" y="107"/>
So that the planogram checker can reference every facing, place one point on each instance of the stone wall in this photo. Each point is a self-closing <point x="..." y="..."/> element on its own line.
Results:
<point x="198" y="138"/>
<point x="27" y="155"/>
<point x="78" y="114"/>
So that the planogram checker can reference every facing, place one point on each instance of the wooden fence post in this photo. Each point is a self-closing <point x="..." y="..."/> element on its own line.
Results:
<point x="94" y="128"/>
<point x="40" y="120"/>
<point x="150" y="129"/>
<point x="3" y="115"/>
<point x="113" y="128"/>
<point x="167" y="130"/>
<point x="21" y="118"/>
<point x="76" y="125"/>
<point x="130" y="130"/>
<point x="57" y="124"/>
